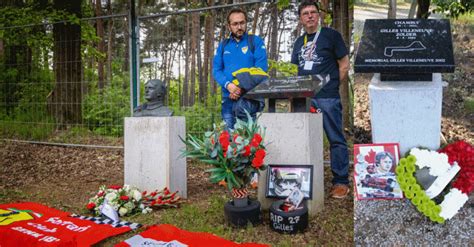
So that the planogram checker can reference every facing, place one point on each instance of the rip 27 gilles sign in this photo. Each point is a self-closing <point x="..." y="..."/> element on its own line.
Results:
<point x="404" y="46"/>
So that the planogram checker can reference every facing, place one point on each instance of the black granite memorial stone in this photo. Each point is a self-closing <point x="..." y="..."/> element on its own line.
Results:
<point x="405" y="49"/>
<point x="297" y="89"/>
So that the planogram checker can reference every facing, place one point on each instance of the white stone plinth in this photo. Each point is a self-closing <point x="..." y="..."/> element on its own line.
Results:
<point x="294" y="139"/>
<point x="152" y="153"/>
<point x="406" y="112"/>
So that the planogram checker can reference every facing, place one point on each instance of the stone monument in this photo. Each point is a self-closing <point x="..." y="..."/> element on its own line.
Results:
<point x="152" y="145"/>
<point x="407" y="57"/>
<point x="295" y="138"/>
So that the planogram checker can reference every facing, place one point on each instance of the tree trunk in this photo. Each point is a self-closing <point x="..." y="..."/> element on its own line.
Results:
<point x="110" y="42"/>
<point x="423" y="8"/>
<point x="66" y="99"/>
<point x="274" y="37"/>
<point x="340" y="19"/>
<point x="255" y="18"/>
<point x="192" y="92"/>
<point x="100" y="44"/>
<point x="186" y="63"/>
<point x="392" y="9"/>
<point x="324" y="6"/>
<point x="197" y="36"/>
<point x="212" y="28"/>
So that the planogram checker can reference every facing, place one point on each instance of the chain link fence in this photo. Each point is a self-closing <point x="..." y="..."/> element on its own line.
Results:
<point x="69" y="81"/>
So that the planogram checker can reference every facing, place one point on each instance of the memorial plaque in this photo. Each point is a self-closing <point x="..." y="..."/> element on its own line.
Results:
<point x="298" y="89"/>
<point x="405" y="49"/>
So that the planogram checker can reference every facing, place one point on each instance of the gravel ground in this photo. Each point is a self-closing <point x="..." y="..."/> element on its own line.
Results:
<point x="397" y="222"/>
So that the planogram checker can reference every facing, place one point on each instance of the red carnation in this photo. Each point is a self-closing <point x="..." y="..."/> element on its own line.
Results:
<point x="257" y="161"/>
<point x="247" y="151"/>
<point x="153" y="194"/>
<point x="166" y="191"/>
<point x="115" y="187"/>
<point x="255" y="142"/>
<point x="101" y="193"/>
<point x="90" y="205"/>
<point x="312" y="109"/>
<point x="224" y="140"/>
<point x="124" y="198"/>
<point x="260" y="154"/>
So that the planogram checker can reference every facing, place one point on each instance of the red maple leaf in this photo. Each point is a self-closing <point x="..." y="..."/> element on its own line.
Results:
<point x="370" y="157"/>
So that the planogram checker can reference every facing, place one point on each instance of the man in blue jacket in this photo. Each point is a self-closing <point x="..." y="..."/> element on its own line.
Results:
<point x="240" y="50"/>
<point x="321" y="50"/>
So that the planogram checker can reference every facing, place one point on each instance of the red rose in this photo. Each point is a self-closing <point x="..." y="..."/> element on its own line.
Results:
<point x="166" y="191"/>
<point x="124" y="198"/>
<point x="256" y="140"/>
<point x="224" y="140"/>
<point x="247" y="151"/>
<point x="312" y="109"/>
<point x="90" y="205"/>
<point x="115" y="187"/>
<point x="144" y="193"/>
<point x="100" y="194"/>
<point x="153" y="194"/>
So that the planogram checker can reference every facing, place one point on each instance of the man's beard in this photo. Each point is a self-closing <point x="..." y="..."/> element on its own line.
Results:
<point x="238" y="36"/>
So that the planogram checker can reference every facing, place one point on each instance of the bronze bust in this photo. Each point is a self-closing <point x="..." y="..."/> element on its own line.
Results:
<point x="154" y="93"/>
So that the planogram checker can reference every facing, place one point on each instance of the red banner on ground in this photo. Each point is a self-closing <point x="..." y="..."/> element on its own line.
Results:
<point x="33" y="224"/>
<point x="169" y="235"/>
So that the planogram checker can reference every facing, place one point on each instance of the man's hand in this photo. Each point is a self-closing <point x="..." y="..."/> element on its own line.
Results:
<point x="234" y="91"/>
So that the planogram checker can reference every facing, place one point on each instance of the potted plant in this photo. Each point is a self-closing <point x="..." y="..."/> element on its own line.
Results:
<point x="237" y="156"/>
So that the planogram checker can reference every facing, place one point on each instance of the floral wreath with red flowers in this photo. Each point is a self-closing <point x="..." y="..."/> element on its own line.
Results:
<point x="438" y="183"/>
<point x="237" y="155"/>
<point x="127" y="200"/>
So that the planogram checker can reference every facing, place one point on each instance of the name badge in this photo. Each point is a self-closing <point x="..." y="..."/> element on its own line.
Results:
<point x="308" y="65"/>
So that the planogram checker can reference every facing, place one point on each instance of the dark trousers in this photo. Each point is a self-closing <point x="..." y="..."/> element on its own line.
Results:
<point x="332" y="124"/>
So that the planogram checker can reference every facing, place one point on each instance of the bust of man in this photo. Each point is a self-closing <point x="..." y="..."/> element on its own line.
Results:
<point x="154" y="94"/>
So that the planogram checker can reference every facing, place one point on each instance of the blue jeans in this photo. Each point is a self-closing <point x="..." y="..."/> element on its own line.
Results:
<point x="227" y="113"/>
<point x="332" y="124"/>
<point x="238" y="109"/>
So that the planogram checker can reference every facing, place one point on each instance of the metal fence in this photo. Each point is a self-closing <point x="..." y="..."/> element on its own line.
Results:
<point x="65" y="83"/>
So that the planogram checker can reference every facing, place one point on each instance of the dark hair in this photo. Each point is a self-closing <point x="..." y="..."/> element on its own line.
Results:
<point x="382" y="155"/>
<point x="307" y="3"/>
<point x="236" y="10"/>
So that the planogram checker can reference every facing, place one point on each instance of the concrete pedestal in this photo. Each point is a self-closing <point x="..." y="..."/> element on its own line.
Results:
<point x="406" y="112"/>
<point x="294" y="139"/>
<point x="152" y="150"/>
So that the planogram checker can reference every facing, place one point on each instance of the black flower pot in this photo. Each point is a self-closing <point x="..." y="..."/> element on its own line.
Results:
<point x="288" y="222"/>
<point x="242" y="215"/>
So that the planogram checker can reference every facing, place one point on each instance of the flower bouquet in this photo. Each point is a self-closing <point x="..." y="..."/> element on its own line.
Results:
<point x="425" y="177"/>
<point x="236" y="156"/>
<point x="126" y="200"/>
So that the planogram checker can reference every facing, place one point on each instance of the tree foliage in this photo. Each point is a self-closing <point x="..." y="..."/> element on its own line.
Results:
<point x="453" y="8"/>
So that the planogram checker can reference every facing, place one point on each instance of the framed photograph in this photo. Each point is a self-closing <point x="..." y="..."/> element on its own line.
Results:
<point x="374" y="171"/>
<point x="283" y="179"/>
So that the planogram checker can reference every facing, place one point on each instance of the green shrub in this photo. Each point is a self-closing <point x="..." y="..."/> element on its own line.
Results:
<point x="104" y="110"/>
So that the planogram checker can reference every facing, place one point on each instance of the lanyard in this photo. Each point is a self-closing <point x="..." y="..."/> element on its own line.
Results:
<point x="313" y="44"/>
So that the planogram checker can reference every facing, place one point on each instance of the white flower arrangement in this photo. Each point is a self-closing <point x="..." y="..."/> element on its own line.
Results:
<point x="443" y="166"/>
<point x="127" y="200"/>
